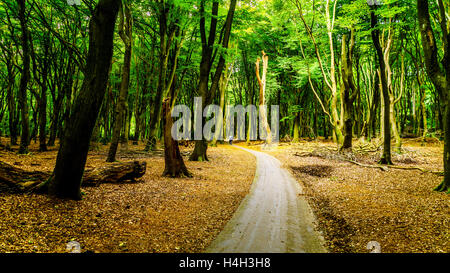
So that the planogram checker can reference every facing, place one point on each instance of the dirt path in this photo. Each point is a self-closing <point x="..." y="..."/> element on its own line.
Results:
<point x="274" y="217"/>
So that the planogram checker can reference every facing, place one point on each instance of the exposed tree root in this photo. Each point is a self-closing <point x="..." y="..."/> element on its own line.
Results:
<point x="381" y="167"/>
<point x="385" y="161"/>
<point x="443" y="187"/>
<point x="182" y="173"/>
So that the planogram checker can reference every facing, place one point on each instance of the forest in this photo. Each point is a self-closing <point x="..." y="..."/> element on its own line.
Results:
<point x="88" y="89"/>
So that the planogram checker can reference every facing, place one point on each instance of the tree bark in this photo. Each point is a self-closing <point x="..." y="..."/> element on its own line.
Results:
<point x="55" y="120"/>
<point x="262" y="95"/>
<point x="12" y="110"/>
<point x="392" y="99"/>
<point x="25" y="136"/>
<point x="440" y="77"/>
<point x="126" y="34"/>
<point x="43" y="111"/>
<point x="386" y="156"/>
<point x="167" y="32"/>
<point x="201" y="146"/>
<point x="330" y="78"/>
<point x="348" y="87"/>
<point x="68" y="172"/>
<point x="41" y="79"/>
<point x="223" y="86"/>
<point x="174" y="163"/>
<point x="296" y="137"/>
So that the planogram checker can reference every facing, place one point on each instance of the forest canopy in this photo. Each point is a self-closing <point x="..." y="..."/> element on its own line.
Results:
<point x="109" y="71"/>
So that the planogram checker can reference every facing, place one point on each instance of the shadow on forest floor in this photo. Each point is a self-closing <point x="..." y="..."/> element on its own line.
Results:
<point x="314" y="170"/>
<point x="356" y="204"/>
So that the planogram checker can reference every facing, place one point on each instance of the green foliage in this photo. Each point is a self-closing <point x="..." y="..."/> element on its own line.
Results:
<point x="273" y="26"/>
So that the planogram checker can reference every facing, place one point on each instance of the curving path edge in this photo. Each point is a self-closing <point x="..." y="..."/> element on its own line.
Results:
<point x="273" y="218"/>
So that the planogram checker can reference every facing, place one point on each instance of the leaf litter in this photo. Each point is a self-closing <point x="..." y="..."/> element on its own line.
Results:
<point x="355" y="205"/>
<point x="155" y="214"/>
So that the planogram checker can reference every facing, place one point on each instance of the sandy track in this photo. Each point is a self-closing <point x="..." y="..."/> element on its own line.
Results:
<point x="274" y="217"/>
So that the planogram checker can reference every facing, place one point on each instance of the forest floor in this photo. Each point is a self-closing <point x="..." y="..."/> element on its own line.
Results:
<point x="355" y="205"/>
<point x="154" y="214"/>
<point x="273" y="218"/>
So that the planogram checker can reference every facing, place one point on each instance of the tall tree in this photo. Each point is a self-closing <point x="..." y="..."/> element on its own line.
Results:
<point x="41" y="70"/>
<point x="262" y="94"/>
<point x="386" y="156"/>
<point x="208" y="93"/>
<point x="25" y="77"/>
<point x="348" y="87"/>
<point x="330" y="77"/>
<point x="168" y="28"/>
<point x="126" y="34"/>
<point x="171" y="33"/>
<point x="74" y="147"/>
<point x="438" y="71"/>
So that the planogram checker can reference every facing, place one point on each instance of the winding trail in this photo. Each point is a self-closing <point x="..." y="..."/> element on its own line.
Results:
<point x="272" y="218"/>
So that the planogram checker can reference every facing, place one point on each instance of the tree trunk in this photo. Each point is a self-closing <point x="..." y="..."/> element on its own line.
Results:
<point x="330" y="78"/>
<point x="125" y="32"/>
<point x="199" y="153"/>
<point x="375" y="102"/>
<point x="55" y="120"/>
<point x="201" y="146"/>
<point x="166" y="37"/>
<point x="43" y="118"/>
<point x="296" y="137"/>
<point x="394" y="126"/>
<point x="348" y="88"/>
<point x="445" y="185"/>
<point x="386" y="156"/>
<point x="174" y="164"/>
<point x="43" y="99"/>
<point x="68" y="172"/>
<point x="423" y="111"/>
<point x="12" y="110"/>
<point x="25" y="136"/>
<point x="439" y="77"/>
<point x="125" y="136"/>
<point x="392" y="99"/>
<point x="223" y="86"/>
<point x="262" y="93"/>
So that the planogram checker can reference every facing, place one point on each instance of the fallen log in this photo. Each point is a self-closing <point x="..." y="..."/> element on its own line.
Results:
<point x="19" y="180"/>
<point x="15" y="179"/>
<point x="115" y="173"/>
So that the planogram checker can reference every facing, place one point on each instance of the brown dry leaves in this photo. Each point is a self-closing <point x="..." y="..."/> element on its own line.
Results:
<point x="155" y="214"/>
<point x="355" y="205"/>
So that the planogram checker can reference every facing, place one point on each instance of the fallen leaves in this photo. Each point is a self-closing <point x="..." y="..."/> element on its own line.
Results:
<point x="355" y="205"/>
<point x="157" y="214"/>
